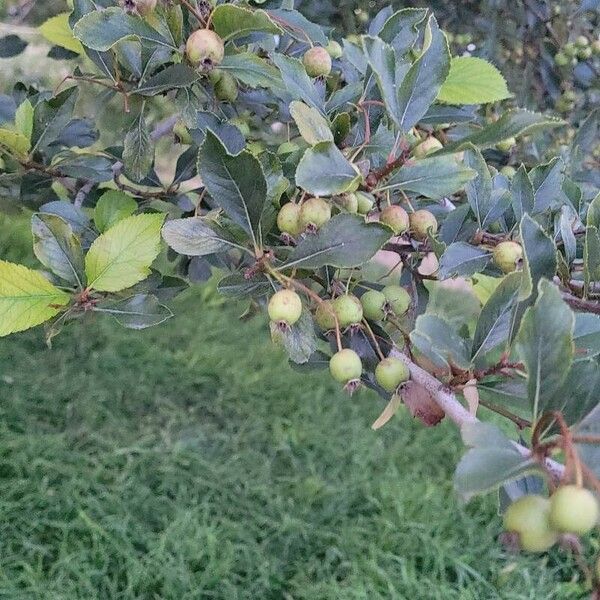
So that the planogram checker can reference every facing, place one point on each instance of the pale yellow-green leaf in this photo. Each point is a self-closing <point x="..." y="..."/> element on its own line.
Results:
<point x="121" y="257"/>
<point x="58" y="31"/>
<point x="313" y="127"/>
<point x="24" y="118"/>
<point x="484" y="286"/>
<point x="16" y="143"/>
<point x="473" y="80"/>
<point x="27" y="298"/>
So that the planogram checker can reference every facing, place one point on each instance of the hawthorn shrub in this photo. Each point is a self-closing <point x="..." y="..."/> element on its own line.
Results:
<point x="364" y="192"/>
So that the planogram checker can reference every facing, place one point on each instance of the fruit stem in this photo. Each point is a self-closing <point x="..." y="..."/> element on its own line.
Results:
<point x="374" y="338"/>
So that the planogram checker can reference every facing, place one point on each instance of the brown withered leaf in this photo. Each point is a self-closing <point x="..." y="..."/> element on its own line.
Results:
<point x="421" y="405"/>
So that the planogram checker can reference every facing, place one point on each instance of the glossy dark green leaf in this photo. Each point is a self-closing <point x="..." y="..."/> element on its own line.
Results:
<point x="238" y="286"/>
<point x="231" y="21"/>
<point x="299" y="340"/>
<point x="138" y="150"/>
<point x="522" y="193"/>
<point x="50" y="117"/>
<point x="462" y="259"/>
<point x="138" y="312"/>
<point x="297" y="83"/>
<point x="253" y="71"/>
<point x="479" y="189"/>
<point x="171" y="78"/>
<point x="547" y="183"/>
<point x="195" y="236"/>
<point x="586" y="336"/>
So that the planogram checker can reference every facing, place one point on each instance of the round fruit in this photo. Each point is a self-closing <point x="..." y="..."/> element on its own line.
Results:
<point x="285" y="306"/>
<point x="182" y="134"/>
<point x="573" y="509"/>
<point x="349" y="202"/>
<point x="507" y="256"/>
<point x="205" y="49"/>
<point x="506" y="145"/>
<point x="508" y="171"/>
<point x="584" y="53"/>
<point x="145" y="7"/>
<point x="373" y="304"/>
<point x="345" y="366"/>
<point x="315" y="212"/>
<point x="529" y="516"/>
<point x="596" y="46"/>
<point x="570" y="49"/>
<point x="395" y="217"/>
<point x="426" y="147"/>
<point x="365" y="202"/>
<point x="334" y="49"/>
<point x="582" y="41"/>
<point x="421" y="221"/>
<point x="561" y="59"/>
<point x="325" y="315"/>
<point x="390" y="373"/>
<point x="226" y="88"/>
<point x="398" y="299"/>
<point x="348" y="310"/>
<point x="317" y="62"/>
<point x="288" y="219"/>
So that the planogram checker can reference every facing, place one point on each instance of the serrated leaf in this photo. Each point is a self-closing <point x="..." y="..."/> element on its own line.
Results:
<point x="433" y="177"/>
<point x="479" y="189"/>
<point x="253" y="71"/>
<point x="462" y="259"/>
<point x="27" y="298"/>
<point x="472" y="80"/>
<point x="547" y="183"/>
<point x="57" y="248"/>
<point x="545" y="344"/>
<point x="51" y="116"/>
<point x="58" y="32"/>
<point x="345" y="241"/>
<point x="121" y="257"/>
<point x="16" y="143"/>
<point x="297" y="83"/>
<point x="522" y="193"/>
<point x="102" y="29"/>
<point x="313" y="127"/>
<point x="324" y="171"/>
<point x="112" y="207"/>
<point x="231" y="21"/>
<point x="236" y="184"/>
<point x="138" y="312"/>
<point x="172" y="78"/>
<point x="138" y="150"/>
<point x="195" y="236"/>
<point x="299" y="340"/>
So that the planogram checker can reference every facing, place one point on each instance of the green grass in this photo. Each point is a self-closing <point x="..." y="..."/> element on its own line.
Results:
<point x="190" y="462"/>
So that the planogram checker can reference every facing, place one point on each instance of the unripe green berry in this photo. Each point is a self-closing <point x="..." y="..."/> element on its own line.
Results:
<point x="507" y="256"/>
<point x="596" y="47"/>
<point x="529" y="516"/>
<point x="396" y="218"/>
<point x="506" y="145"/>
<point x="398" y="299"/>
<point x="570" y="49"/>
<point x="317" y="62"/>
<point x="421" y="221"/>
<point x="584" y="53"/>
<point x="345" y="366"/>
<point x="365" y="202"/>
<point x="226" y="88"/>
<point x="349" y="202"/>
<point x="390" y="373"/>
<point x="325" y="315"/>
<point x="334" y="49"/>
<point x="288" y="219"/>
<point x="373" y="304"/>
<point x="426" y="147"/>
<point x="314" y="212"/>
<point x="508" y="171"/>
<point x="348" y="310"/>
<point x="205" y="49"/>
<point x="285" y="307"/>
<point x="561" y="59"/>
<point x="582" y="41"/>
<point x="573" y="509"/>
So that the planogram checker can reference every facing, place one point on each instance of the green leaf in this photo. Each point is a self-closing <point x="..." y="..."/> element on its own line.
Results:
<point x="138" y="150"/>
<point x="112" y="207"/>
<point x="27" y="298"/>
<point x="253" y="71"/>
<point x="345" y="241"/>
<point x="472" y="80"/>
<point x="299" y="341"/>
<point x="236" y="184"/>
<point x="547" y="183"/>
<point x="433" y="177"/>
<point x="16" y="143"/>
<point x="24" y="118"/>
<point x="121" y="257"/>
<point x="400" y="29"/>
<point x="591" y="249"/>
<point x="590" y="453"/>
<point x="492" y="461"/>
<point x="439" y="342"/>
<point x="522" y="193"/>
<point x="313" y="127"/>
<point x="138" y="312"/>
<point x="297" y="83"/>
<point x="545" y="344"/>
<point x="58" y="32"/>
<point x="231" y="21"/>
<point x="277" y="184"/>
<point x="462" y="259"/>
<point x="102" y="29"/>
<point x="172" y="78"/>
<point x="57" y="248"/>
<point x="512" y="123"/>
<point x="422" y="82"/>
<point x="195" y="236"/>
<point x="586" y="336"/>
<point x="237" y="285"/>
<point x="493" y="326"/>
<point x="324" y="171"/>
<point x="51" y="116"/>
<point x="479" y="189"/>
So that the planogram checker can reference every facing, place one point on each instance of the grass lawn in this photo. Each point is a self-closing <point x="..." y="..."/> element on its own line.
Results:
<point x="190" y="462"/>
